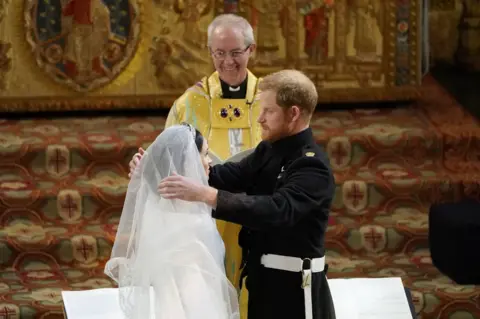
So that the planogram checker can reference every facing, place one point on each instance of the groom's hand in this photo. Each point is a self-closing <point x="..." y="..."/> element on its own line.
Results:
<point x="135" y="160"/>
<point x="180" y="187"/>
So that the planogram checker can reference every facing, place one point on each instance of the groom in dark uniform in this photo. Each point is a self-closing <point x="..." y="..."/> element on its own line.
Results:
<point x="281" y="195"/>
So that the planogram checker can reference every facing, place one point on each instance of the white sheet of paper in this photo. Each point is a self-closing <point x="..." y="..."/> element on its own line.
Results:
<point x="355" y="298"/>
<point x="369" y="298"/>
<point x="94" y="304"/>
<point x="99" y="303"/>
<point x="343" y="299"/>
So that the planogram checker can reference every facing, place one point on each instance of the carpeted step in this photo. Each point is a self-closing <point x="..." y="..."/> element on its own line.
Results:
<point x="65" y="148"/>
<point x="33" y="288"/>
<point x="75" y="200"/>
<point x="75" y="219"/>
<point x="358" y="191"/>
<point x="434" y="295"/>
<point x="375" y="186"/>
<point x="89" y="244"/>
<point x="351" y="138"/>
<point x="402" y="231"/>
<point x="67" y="245"/>
<point x="63" y="181"/>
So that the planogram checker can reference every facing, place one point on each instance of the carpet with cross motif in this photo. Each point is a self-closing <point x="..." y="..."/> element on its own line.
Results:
<point x="62" y="184"/>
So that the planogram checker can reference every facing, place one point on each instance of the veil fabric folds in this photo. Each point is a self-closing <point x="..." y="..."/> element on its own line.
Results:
<point x="168" y="257"/>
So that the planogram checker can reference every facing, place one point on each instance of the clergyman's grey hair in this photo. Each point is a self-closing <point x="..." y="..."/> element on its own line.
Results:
<point x="234" y="21"/>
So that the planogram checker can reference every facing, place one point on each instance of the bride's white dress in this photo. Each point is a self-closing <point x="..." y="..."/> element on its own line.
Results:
<point x="188" y="283"/>
<point x="168" y="257"/>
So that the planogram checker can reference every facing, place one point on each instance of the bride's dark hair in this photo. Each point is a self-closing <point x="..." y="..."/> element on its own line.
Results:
<point x="171" y="150"/>
<point x="198" y="136"/>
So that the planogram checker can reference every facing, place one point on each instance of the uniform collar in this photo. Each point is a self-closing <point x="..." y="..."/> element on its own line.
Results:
<point x="291" y="143"/>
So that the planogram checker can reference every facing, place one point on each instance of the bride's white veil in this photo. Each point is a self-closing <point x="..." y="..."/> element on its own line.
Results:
<point x="168" y="258"/>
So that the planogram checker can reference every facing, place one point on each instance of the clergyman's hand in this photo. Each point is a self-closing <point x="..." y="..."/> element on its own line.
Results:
<point x="180" y="187"/>
<point x="135" y="160"/>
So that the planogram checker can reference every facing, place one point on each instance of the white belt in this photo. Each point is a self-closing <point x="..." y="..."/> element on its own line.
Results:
<point x="295" y="264"/>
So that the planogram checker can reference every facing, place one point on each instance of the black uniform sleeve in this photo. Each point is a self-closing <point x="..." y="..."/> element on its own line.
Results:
<point x="231" y="177"/>
<point x="234" y="177"/>
<point x="308" y="186"/>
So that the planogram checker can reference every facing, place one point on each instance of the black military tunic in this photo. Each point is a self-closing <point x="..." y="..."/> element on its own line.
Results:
<point x="281" y="195"/>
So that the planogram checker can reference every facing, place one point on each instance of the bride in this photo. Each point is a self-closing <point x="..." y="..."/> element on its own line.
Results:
<point x="168" y="257"/>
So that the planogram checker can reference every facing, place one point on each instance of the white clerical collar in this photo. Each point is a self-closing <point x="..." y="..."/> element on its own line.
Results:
<point x="232" y="89"/>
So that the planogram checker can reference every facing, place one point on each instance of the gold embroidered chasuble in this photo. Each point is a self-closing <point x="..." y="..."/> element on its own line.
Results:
<point x="230" y="126"/>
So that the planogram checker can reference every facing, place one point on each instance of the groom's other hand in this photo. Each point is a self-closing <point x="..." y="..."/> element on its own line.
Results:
<point x="180" y="187"/>
<point x="135" y="160"/>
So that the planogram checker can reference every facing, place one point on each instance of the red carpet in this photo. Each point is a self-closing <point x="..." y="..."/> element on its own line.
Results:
<point x="62" y="185"/>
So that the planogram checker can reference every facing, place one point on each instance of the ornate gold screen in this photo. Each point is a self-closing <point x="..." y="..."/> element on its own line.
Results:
<point x="103" y="54"/>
